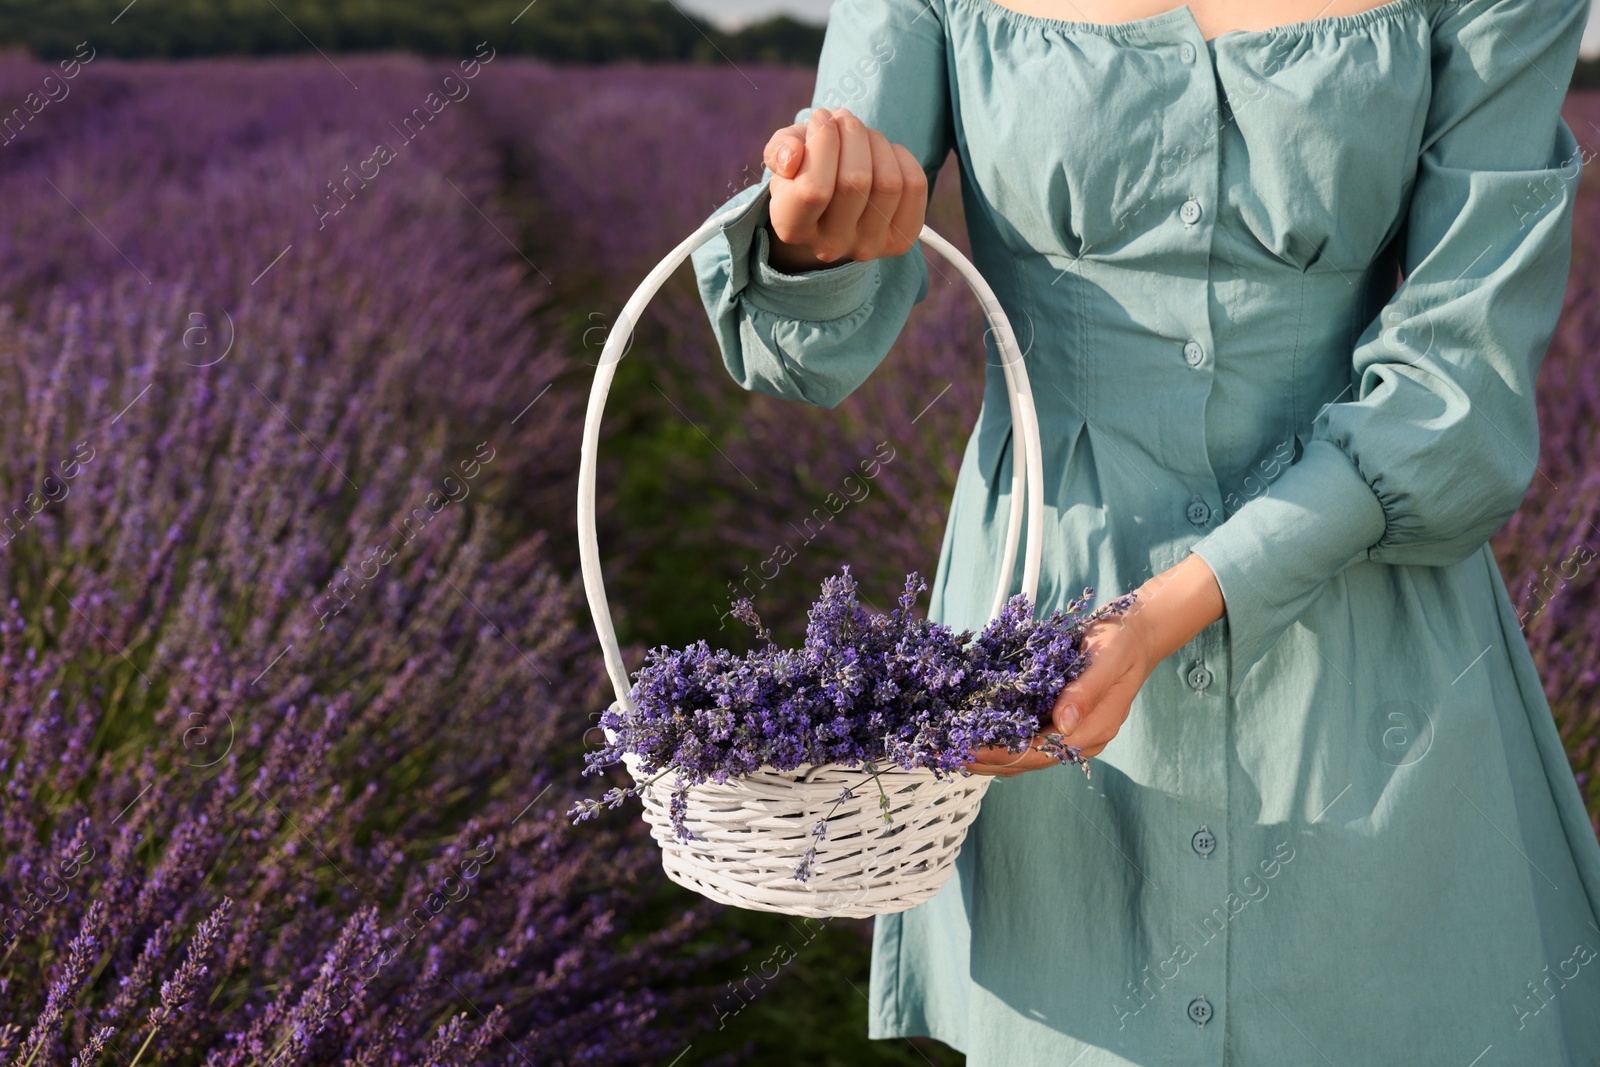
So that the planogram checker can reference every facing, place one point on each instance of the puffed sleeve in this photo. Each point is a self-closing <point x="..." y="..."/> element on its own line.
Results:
<point x="817" y="335"/>
<point x="1434" y="445"/>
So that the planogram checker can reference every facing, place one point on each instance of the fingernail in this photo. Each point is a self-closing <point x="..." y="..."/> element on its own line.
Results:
<point x="1068" y="718"/>
<point x="783" y="158"/>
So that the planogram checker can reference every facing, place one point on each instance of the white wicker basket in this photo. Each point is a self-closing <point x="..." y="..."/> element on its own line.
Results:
<point x="751" y="832"/>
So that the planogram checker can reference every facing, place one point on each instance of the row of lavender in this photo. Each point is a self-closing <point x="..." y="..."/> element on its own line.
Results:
<point x="291" y="707"/>
<point x="1550" y="550"/>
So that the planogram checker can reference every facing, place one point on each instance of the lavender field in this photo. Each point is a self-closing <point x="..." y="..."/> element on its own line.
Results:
<point x="296" y="672"/>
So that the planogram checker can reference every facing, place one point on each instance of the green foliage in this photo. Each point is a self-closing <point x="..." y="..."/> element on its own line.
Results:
<point x="583" y="31"/>
<point x="1587" y="73"/>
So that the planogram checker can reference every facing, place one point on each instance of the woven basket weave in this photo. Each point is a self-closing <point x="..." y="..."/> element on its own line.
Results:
<point x="751" y="831"/>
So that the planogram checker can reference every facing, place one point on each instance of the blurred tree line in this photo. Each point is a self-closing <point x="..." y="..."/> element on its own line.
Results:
<point x="1587" y="73"/>
<point x="580" y="31"/>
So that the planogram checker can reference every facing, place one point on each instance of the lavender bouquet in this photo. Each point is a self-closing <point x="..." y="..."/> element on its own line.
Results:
<point x="865" y="690"/>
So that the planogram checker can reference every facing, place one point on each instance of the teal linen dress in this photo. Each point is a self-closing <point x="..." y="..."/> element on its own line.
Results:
<point x="1338" y="827"/>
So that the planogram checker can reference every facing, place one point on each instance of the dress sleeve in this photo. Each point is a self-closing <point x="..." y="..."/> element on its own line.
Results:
<point x="817" y="335"/>
<point x="1435" y="443"/>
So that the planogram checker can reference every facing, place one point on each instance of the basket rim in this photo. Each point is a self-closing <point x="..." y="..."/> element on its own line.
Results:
<point x="768" y="769"/>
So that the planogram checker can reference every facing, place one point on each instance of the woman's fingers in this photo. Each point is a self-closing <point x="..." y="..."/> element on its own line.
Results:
<point x="795" y="212"/>
<point x="1099" y="725"/>
<point x="839" y="230"/>
<point x="995" y="761"/>
<point x="872" y="229"/>
<point x="1091" y="709"/>
<point x="905" y="225"/>
<point x="785" y="150"/>
<point x="1083" y="693"/>
<point x="841" y="191"/>
<point x="1104" y="717"/>
<point x="1089" y="712"/>
<point x="1003" y="763"/>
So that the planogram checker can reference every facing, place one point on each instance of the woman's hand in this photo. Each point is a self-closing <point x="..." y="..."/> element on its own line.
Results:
<point x="840" y="192"/>
<point x="1093" y="707"/>
<point x="1168" y="611"/>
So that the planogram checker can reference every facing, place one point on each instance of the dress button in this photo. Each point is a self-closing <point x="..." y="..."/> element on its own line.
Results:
<point x="1190" y="211"/>
<point x="1199" y="1011"/>
<point x="1193" y="353"/>
<point x="1198" y="512"/>
<point x="1199" y="677"/>
<point x="1204" y="841"/>
<point x="1186" y="53"/>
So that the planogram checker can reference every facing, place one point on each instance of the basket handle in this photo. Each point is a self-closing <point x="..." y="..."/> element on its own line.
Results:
<point x="1027" y="478"/>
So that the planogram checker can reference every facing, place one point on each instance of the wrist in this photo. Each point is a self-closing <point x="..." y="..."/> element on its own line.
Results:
<point x="789" y="258"/>
<point x="1172" y="607"/>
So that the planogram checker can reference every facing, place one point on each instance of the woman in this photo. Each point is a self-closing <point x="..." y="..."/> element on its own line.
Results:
<point x="1331" y="820"/>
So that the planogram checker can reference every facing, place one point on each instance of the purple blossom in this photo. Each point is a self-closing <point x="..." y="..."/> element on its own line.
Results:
<point x="865" y="690"/>
<point x="164" y="751"/>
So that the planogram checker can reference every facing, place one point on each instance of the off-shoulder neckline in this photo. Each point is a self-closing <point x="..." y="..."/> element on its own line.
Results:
<point x="1183" y="13"/>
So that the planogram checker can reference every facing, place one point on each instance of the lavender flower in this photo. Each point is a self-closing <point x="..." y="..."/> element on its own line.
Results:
<point x="93" y="1047"/>
<point x="163" y="750"/>
<point x="863" y="690"/>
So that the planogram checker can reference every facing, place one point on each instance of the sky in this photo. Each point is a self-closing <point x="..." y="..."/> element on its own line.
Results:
<point x="731" y="14"/>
